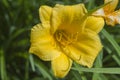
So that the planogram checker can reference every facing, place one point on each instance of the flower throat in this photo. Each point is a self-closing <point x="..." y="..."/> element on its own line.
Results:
<point x="65" y="38"/>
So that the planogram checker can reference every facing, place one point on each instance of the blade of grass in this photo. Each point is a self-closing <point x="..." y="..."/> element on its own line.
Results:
<point x="99" y="58"/>
<point x="32" y="62"/>
<point x="5" y="2"/>
<point x="115" y="77"/>
<point x="19" y="32"/>
<point x="98" y="64"/>
<point x="27" y="68"/>
<point x="103" y="77"/>
<point x="2" y="66"/>
<point x="115" y="57"/>
<point x="83" y="77"/>
<point x="76" y="75"/>
<point x="99" y="70"/>
<point x="90" y="12"/>
<point x="41" y="67"/>
<point x="91" y="3"/>
<point x="112" y="41"/>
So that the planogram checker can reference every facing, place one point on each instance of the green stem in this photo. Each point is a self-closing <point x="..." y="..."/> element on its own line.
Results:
<point x="27" y="68"/>
<point x="3" y="66"/>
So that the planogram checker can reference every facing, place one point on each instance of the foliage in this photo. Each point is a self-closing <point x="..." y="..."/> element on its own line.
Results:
<point x="16" y="19"/>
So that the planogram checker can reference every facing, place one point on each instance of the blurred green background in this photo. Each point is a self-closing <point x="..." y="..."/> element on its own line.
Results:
<point x="17" y="17"/>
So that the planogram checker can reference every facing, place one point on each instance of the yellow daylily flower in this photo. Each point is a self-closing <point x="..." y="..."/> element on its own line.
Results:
<point x="60" y="37"/>
<point x="111" y="16"/>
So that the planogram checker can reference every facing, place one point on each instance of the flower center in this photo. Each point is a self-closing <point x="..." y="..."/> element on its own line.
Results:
<point x="65" y="38"/>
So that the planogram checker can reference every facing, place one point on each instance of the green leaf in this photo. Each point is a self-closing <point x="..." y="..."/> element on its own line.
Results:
<point x="112" y="41"/>
<point x="98" y="64"/>
<point x="77" y="66"/>
<point x="76" y="75"/>
<point x="27" y="67"/>
<point x="97" y="8"/>
<point x="91" y="3"/>
<point x="99" y="70"/>
<point x="5" y="2"/>
<point x="19" y="32"/>
<point x="43" y="69"/>
<point x="2" y="66"/>
<point x="32" y="62"/>
<point x="115" y="57"/>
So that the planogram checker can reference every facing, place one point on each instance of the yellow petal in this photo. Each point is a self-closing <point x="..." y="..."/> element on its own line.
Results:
<point x="45" y="14"/>
<point x="85" y="50"/>
<point x="110" y="7"/>
<point x="94" y="23"/>
<point x="67" y="17"/>
<point x="42" y="43"/>
<point x="117" y="16"/>
<point x="61" y="65"/>
<point x="113" y="18"/>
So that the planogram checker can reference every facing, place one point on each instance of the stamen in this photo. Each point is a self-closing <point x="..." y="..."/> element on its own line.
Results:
<point x="64" y="38"/>
<point x="67" y="37"/>
<point x="76" y="37"/>
<point x="59" y="37"/>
